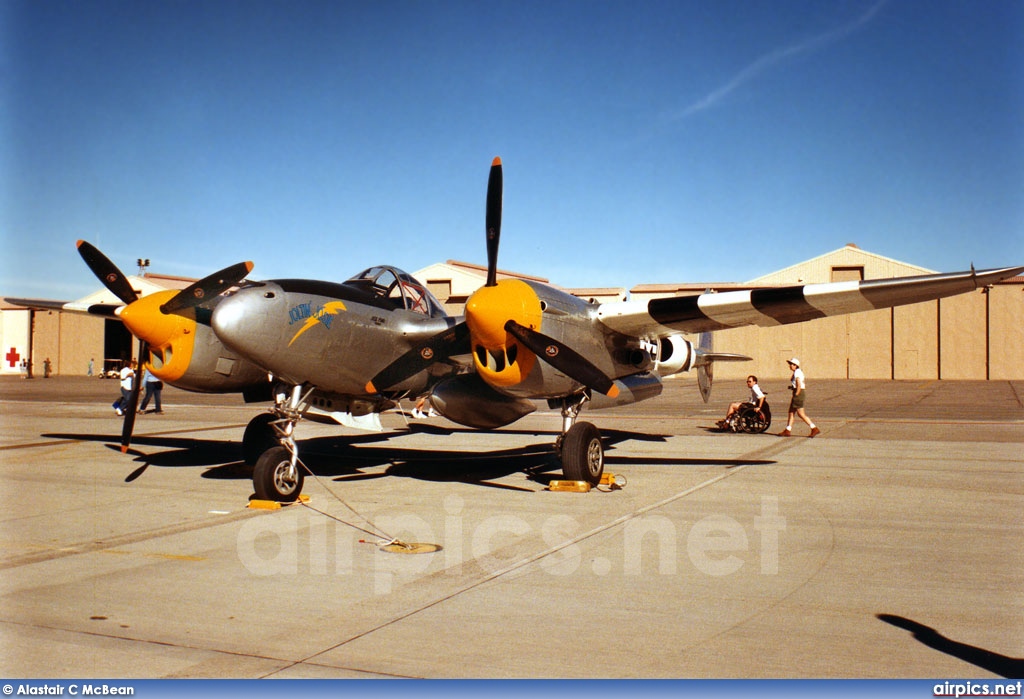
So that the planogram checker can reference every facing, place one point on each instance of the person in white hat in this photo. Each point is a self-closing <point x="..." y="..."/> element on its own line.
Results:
<point x="798" y="385"/>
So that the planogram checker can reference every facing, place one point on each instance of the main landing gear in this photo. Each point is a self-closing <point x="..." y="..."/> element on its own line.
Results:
<point x="579" y="446"/>
<point x="269" y="447"/>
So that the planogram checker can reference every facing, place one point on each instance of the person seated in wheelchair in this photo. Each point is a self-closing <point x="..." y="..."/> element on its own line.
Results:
<point x="755" y="400"/>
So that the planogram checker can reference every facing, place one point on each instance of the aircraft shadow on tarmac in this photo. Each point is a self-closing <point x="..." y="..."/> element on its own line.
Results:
<point x="348" y="457"/>
<point x="1005" y="666"/>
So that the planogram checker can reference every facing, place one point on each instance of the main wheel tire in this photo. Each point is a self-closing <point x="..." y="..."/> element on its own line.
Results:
<point x="583" y="454"/>
<point x="259" y="436"/>
<point x="273" y="477"/>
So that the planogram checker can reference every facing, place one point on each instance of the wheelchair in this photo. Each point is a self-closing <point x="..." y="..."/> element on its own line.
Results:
<point x="751" y="420"/>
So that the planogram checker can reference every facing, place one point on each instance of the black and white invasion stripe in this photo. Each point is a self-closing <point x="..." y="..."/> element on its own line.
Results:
<point x="791" y="304"/>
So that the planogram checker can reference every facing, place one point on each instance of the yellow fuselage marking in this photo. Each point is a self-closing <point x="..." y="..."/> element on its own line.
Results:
<point x="331" y="309"/>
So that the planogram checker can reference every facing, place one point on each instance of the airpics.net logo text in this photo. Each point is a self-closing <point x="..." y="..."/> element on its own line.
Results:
<point x="978" y="689"/>
<point x="651" y="544"/>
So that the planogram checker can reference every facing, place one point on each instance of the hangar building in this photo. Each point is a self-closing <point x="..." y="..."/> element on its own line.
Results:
<point x="979" y="335"/>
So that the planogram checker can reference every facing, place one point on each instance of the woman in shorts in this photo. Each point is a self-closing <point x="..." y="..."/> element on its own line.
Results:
<point x="798" y="385"/>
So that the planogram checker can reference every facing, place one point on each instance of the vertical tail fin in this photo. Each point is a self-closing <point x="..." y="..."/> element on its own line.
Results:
<point x="706" y="356"/>
<point x="705" y="369"/>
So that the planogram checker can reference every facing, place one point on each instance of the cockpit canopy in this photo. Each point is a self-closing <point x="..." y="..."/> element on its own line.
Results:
<point x="399" y="288"/>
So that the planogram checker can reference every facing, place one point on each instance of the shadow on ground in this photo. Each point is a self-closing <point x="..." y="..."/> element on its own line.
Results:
<point x="1005" y="666"/>
<point x="354" y="457"/>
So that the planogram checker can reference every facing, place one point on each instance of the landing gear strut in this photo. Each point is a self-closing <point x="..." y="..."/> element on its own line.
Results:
<point x="579" y="446"/>
<point x="269" y="444"/>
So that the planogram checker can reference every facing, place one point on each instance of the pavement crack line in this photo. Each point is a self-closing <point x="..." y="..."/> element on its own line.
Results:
<point x="1016" y="395"/>
<point x="114" y="439"/>
<point x="759" y="454"/>
<point x="120" y="637"/>
<point x="122" y="540"/>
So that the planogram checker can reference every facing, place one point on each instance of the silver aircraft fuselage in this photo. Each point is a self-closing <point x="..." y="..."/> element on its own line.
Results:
<point x="333" y="336"/>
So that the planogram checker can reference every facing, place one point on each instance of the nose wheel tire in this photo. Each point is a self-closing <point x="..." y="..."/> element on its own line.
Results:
<point x="274" y="477"/>
<point x="583" y="453"/>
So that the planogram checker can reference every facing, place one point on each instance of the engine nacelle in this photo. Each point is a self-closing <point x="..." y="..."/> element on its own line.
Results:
<point x="213" y="368"/>
<point x="675" y="354"/>
<point x="632" y="389"/>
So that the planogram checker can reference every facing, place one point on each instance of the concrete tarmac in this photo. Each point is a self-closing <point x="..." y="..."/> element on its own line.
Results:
<point x="889" y="546"/>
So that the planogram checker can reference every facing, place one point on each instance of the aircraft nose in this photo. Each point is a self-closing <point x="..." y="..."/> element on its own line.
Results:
<point x="236" y="321"/>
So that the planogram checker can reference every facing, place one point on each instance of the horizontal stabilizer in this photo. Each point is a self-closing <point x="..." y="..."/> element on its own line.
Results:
<point x="42" y="304"/>
<point x="704" y="358"/>
<point x="107" y="310"/>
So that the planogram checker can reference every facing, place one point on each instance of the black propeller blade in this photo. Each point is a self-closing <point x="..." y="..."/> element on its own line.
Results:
<point x="565" y="359"/>
<point x="493" y="219"/>
<point x="454" y="340"/>
<point x="207" y="287"/>
<point x="115" y="280"/>
<point x="107" y="272"/>
<point x="133" y="401"/>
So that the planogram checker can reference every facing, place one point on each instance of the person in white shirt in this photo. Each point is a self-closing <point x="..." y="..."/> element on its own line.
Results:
<point x="756" y="399"/>
<point x="798" y="385"/>
<point x="127" y="376"/>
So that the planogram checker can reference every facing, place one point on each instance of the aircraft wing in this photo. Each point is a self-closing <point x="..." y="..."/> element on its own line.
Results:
<point x="107" y="310"/>
<point x="788" y="304"/>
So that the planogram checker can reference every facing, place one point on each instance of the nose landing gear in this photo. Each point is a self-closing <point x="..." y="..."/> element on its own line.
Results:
<point x="277" y="476"/>
<point x="579" y="446"/>
<point x="269" y="445"/>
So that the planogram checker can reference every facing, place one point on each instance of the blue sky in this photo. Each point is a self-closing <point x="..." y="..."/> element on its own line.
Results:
<point x="642" y="141"/>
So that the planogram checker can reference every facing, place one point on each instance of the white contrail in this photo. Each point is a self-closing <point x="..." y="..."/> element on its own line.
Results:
<point x="773" y="58"/>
